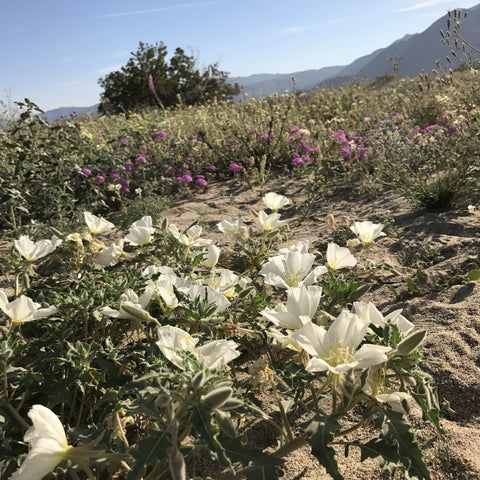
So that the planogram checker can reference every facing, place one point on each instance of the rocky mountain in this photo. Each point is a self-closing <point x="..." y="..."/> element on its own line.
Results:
<point x="414" y="53"/>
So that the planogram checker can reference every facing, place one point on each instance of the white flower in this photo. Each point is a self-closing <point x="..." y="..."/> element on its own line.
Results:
<point x="270" y="222"/>
<point x="154" y="269"/>
<point x="212" y="256"/>
<point x="335" y="349"/>
<point x="369" y="313"/>
<point x="141" y="231"/>
<point x="236" y="229"/>
<point x="210" y="296"/>
<point x="291" y="269"/>
<point x="301" y="306"/>
<point x="395" y="400"/>
<point x="23" y="309"/>
<point x="164" y="286"/>
<point x="48" y="443"/>
<point x="213" y="355"/>
<point x="108" y="256"/>
<point x="274" y="201"/>
<point x="339" y="257"/>
<point x="191" y="237"/>
<point x="129" y="297"/>
<point x="300" y="247"/>
<point x="139" y="235"/>
<point x="32" y="251"/>
<point x="367" y="231"/>
<point x="221" y="279"/>
<point x="97" y="224"/>
<point x="283" y="341"/>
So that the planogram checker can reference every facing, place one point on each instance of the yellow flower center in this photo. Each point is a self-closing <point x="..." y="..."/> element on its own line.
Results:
<point x="339" y="355"/>
<point x="292" y="279"/>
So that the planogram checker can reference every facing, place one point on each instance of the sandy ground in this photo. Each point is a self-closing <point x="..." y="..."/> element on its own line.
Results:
<point x="449" y="310"/>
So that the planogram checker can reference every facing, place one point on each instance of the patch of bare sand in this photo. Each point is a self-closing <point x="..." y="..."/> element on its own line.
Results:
<point x="446" y="306"/>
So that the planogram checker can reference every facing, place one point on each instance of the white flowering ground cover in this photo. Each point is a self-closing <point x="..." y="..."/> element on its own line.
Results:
<point x="232" y="341"/>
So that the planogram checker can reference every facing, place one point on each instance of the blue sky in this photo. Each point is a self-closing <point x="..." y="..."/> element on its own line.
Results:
<point x="54" y="52"/>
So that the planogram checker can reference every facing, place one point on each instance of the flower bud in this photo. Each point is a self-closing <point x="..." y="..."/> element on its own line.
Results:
<point x="138" y="313"/>
<point x="225" y="423"/>
<point x="198" y="380"/>
<point x="217" y="397"/>
<point x="410" y="343"/>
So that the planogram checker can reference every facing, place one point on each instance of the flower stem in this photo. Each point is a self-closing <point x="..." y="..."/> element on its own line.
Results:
<point x="282" y="413"/>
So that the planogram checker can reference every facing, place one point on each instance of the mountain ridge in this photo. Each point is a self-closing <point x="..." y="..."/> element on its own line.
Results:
<point x="414" y="53"/>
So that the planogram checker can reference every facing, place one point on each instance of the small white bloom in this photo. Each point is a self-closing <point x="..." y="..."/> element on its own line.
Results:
<point x="367" y="231"/>
<point x="32" y="251"/>
<point x="300" y="247"/>
<point x="335" y="349"/>
<point x="108" y="256"/>
<point x="236" y="229"/>
<point x="301" y="306"/>
<point x="48" y="443"/>
<point x="395" y="400"/>
<point x="339" y="257"/>
<point x="221" y="279"/>
<point x="23" y="309"/>
<point x="369" y="313"/>
<point x="210" y="296"/>
<point x="283" y="341"/>
<point x="213" y="355"/>
<point x="291" y="269"/>
<point x="212" y="256"/>
<point x="97" y="224"/>
<point x="164" y="287"/>
<point x="270" y="222"/>
<point x="274" y="201"/>
<point x="145" y="221"/>
<point x="139" y="235"/>
<point x="140" y="232"/>
<point x="191" y="237"/>
<point x="129" y="297"/>
<point x="152" y="270"/>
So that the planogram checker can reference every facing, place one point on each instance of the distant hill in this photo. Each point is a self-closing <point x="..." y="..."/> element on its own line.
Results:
<point x="265" y="84"/>
<point x="419" y="52"/>
<point x="65" y="112"/>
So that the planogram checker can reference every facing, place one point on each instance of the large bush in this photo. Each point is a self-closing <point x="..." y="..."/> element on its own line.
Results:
<point x="149" y="79"/>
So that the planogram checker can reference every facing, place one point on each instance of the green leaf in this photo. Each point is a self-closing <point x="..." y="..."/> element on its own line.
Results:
<point x="265" y="466"/>
<point x="202" y="421"/>
<point x="320" y="432"/>
<point x="396" y="432"/>
<point x="473" y="275"/>
<point x="385" y="455"/>
<point x="411" y="285"/>
<point x="148" y="451"/>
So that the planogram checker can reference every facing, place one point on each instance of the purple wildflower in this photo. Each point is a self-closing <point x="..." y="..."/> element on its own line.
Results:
<point x="201" y="181"/>
<point x="297" y="161"/>
<point x="151" y="86"/>
<point x="234" y="167"/>
<point x="211" y="168"/>
<point x="158" y="134"/>
<point x="100" y="179"/>
<point x="124" y="141"/>
<point x="86" y="172"/>
<point x="141" y="159"/>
